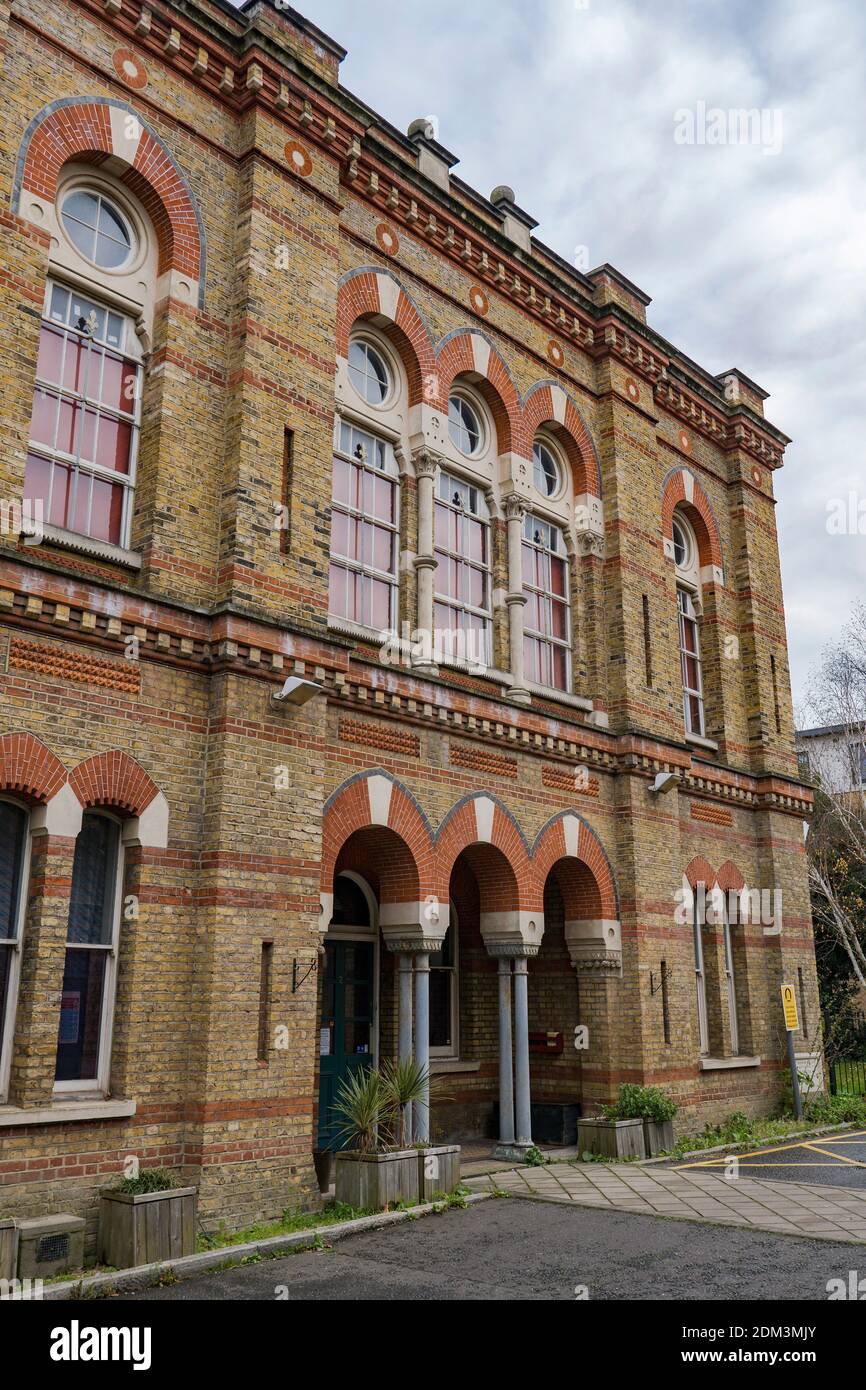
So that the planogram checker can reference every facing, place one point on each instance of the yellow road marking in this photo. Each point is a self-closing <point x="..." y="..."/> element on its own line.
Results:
<point x="753" y="1153"/>
<point x="840" y="1158"/>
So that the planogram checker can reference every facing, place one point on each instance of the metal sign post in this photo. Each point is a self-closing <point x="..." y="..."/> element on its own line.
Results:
<point x="792" y="1023"/>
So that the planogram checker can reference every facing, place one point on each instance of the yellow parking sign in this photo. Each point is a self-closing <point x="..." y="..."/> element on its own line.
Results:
<point x="789" y="1004"/>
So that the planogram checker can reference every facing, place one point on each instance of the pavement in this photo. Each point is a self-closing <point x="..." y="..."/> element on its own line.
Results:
<point x="536" y="1251"/>
<point x="705" y="1190"/>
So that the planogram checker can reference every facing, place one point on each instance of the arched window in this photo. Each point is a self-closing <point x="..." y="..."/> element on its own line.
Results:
<point x="465" y="424"/>
<point x="83" y="448"/>
<point x="463" y="613"/>
<point x="687" y="562"/>
<point x="364" y="530"/>
<point x="89" y="977"/>
<point x="14" y="856"/>
<point x="547" y="620"/>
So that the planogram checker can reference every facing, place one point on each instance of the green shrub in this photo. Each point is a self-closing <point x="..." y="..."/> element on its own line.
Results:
<point x="835" y="1110"/>
<point x="641" y="1103"/>
<point x="148" y="1180"/>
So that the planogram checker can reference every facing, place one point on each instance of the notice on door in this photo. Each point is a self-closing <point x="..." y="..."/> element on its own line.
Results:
<point x="324" y="1042"/>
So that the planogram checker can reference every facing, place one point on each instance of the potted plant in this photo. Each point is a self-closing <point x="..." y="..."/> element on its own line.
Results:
<point x="369" y="1174"/>
<point x="146" y="1220"/>
<point x="649" y="1107"/>
<point x="405" y="1082"/>
<point x="609" y="1136"/>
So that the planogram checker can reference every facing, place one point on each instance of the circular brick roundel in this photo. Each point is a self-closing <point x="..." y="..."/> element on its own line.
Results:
<point x="631" y="387"/>
<point x="299" y="158"/>
<point x="479" y="301"/>
<point x="387" y="238"/>
<point x="685" y="441"/>
<point x="129" y="68"/>
<point x="555" y="353"/>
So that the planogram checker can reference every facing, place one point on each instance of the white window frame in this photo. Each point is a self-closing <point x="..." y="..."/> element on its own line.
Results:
<point x="131" y="350"/>
<point x="16" y="948"/>
<point x="686" y="614"/>
<point x="731" y="985"/>
<point x="392" y="378"/>
<point x="531" y="522"/>
<point x="100" y="1084"/>
<point x="540" y="442"/>
<point x="452" y="1051"/>
<point x="352" y="565"/>
<point x="442" y="498"/>
<point x="466" y="398"/>
<point x="700" y="975"/>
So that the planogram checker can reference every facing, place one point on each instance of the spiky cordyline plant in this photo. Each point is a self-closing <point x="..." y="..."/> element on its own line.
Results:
<point x="361" y="1102"/>
<point x="403" y="1081"/>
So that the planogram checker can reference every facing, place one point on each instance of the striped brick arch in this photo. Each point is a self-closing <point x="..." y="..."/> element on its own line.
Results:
<point x="396" y="843"/>
<point x="29" y="769"/>
<point x="93" y="130"/>
<point x="378" y="297"/>
<point x="682" y="489"/>
<point x="505" y="877"/>
<point x="472" y="355"/>
<point x="569" y="849"/>
<point x="548" y="406"/>
<point x="114" y="780"/>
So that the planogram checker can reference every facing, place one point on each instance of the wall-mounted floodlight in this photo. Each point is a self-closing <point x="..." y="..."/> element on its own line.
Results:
<point x="297" y="691"/>
<point x="663" y="782"/>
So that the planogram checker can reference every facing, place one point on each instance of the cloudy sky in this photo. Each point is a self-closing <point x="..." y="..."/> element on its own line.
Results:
<point x="754" y="254"/>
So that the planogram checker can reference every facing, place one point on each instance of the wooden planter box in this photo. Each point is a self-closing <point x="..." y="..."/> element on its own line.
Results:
<point x="8" y="1248"/>
<point x="371" y="1182"/>
<point x="438" y="1170"/>
<point x="611" y="1138"/>
<point x="146" y="1228"/>
<point x="658" y="1136"/>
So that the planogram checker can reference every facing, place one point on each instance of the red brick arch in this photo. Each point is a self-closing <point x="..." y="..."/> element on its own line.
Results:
<point x="675" y="494"/>
<point x="114" y="780"/>
<point x="538" y="411"/>
<point x="29" y="769"/>
<point x="402" y="846"/>
<point x="80" y="129"/>
<point x="459" y="832"/>
<point x="551" y="852"/>
<point x="358" y="298"/>
<point x="455" y="358"/>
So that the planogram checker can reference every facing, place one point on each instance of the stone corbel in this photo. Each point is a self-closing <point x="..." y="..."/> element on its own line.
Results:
<point x="417" y="928"/>
<point x="512" y="934"/>
<point x="595" y="947"/>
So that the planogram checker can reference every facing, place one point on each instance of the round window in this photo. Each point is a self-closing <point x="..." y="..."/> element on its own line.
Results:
<point x="682" y="546"/>
<point x="368" y="373"/>
<point x="464" y="426"/>
<point x="545" y="470"/>
<point x="97" y="228"/>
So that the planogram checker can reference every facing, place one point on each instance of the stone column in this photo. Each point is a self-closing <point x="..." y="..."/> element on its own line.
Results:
<point x="506" y="1060"/>
<point x="404" y="971"/>
<point x="515" y="511"/>
<point x="424" y="658"/>
<point x="523" y="1117"/>
<point x="422" y="1040"/>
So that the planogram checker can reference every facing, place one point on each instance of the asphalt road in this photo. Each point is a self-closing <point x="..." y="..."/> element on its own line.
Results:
<point x="831" y="1161"/>
<point x="514" y="1248"/>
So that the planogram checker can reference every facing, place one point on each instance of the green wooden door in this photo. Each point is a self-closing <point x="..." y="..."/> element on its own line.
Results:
<point x="345" y="1027"/>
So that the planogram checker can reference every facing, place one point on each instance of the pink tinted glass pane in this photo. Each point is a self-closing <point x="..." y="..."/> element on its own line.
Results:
<point x="59" y="495"/>
<point x="530" y="618"/>
<point x="79" y="503"/>
<point x="528" y="564"/>
<point x="381" y="604"/>
<point x="67" y="423"/>
<point x="476" y="588"/>
<point x="691" y="672"/>
<point x="50" y="356"/>
<point x="530" y="659"/>
<point x="75" y="365"/>
<point x="558" y="616"/>
<point x="115" y="377"/>
<point x="339" y="533"/>
<point x="382" y="557"/>
<point x="114" y="439"/>
<point x="560" y="680"/>
<point x="694" y="714"/>
<point x="106" y="515"/>
<point x="44" y="416"/>
<point x="557" y="577"/>
<point x="37" y="479"/>
<point x="383" y="499"/>
<point x="337" y="592"/>
<point x="441" y="525"/>
<point x="475" y="537"/>
<point x="87" y="438"/>
<point x="341" y="481"/>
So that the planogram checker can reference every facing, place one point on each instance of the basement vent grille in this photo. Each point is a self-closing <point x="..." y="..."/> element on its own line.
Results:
<point x="51" y="1248"/>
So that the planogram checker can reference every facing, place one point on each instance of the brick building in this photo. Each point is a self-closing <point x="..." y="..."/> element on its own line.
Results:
<point x="289" y="410"/>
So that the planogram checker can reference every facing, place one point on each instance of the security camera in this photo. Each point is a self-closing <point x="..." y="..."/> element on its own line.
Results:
<point x="297" y="691"/>
<point x="663" y="782"/>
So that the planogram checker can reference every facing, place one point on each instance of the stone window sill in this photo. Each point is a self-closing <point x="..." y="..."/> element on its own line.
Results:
<point x="452" y="1065"/>
<point x="562" y="697"/>
<point x="67" y="1112"/>
<point x="84" y="545"/>
<point x="728" y="1063"/>
<point x="707" y="743"/>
